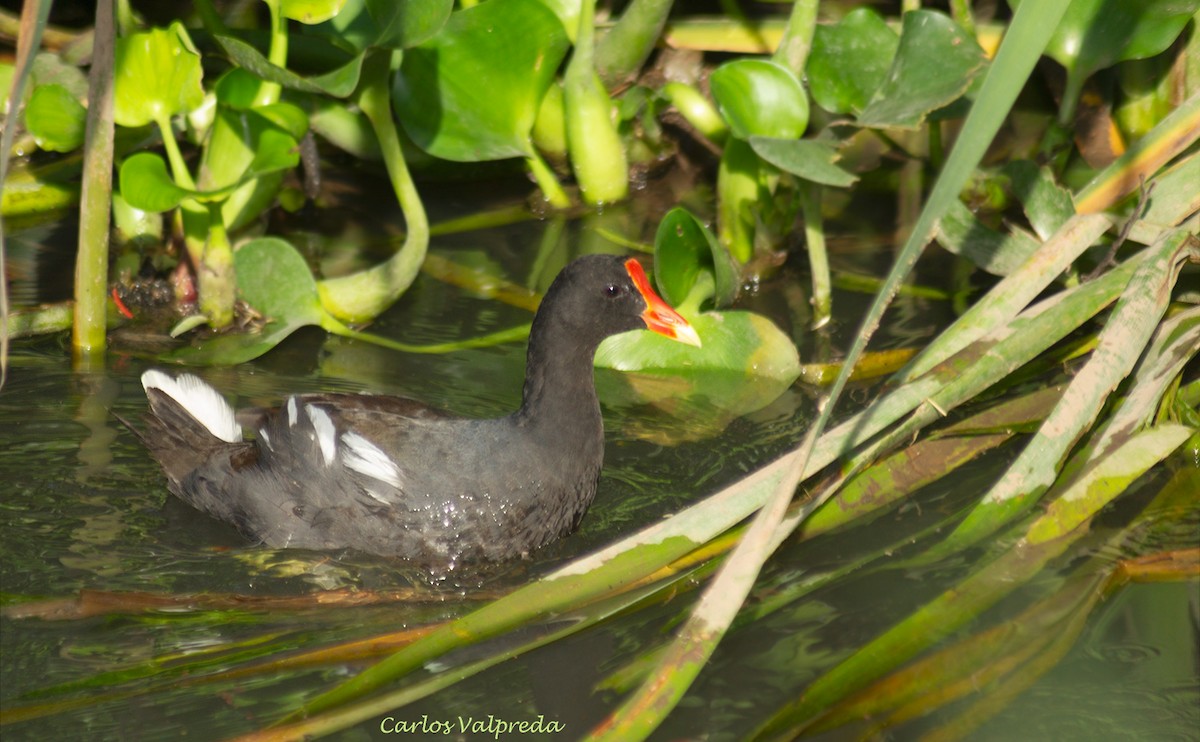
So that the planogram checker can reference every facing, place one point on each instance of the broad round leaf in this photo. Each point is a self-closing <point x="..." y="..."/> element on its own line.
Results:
<point x="850" y="60"/>
<point x="146" y="184"/>
<point x="157" y="75"/>
<point x="760" y="97"/>
<point x="472" y="92"/>
<point x="742" y="342"/>
<point x="683" y="247"/>
<point x="934" y="65"/>
<point x="56" y="120"/>
<point x="273" y="278"/>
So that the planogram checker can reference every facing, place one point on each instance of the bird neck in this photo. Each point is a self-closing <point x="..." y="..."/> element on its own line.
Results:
<point x="559" y="382"/>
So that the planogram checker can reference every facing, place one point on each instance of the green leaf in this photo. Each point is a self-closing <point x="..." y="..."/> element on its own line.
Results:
<point x="998" y="253"/>
<point x="249" y="145"/>
<point x="338" y="82"/>
<point x="746" y="344"/>
<point x="760" y="97"/>
<point x="56" y="120"/>
<point x="1047" y="205"/>
<point x="934" y="65"/>
<point x="407" y="23"/>
<point x="398" y="24"/>
<point x="51" y="69"/>
<point x="234" y="348"/>
<point x="472" y="92"/>
<point x="244" y="146"/>
<point x="157" y="75"/>
<point x="274" y="279"/>
<point x="146" y="184"/>
<point x="745" y="364"/>
<point x="805" y="158"/>
<point x="850" y="61"/>
<point x="1095" y="34"/>
<point x="683" y="248"/>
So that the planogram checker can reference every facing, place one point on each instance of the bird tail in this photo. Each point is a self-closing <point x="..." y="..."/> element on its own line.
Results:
<point x="188" y="420"/>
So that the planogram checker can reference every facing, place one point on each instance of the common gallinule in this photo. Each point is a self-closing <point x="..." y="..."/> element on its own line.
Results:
<point x="390" y="476"/>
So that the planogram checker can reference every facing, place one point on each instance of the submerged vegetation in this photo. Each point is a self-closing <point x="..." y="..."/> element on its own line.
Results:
<point x="1050" y="147"/>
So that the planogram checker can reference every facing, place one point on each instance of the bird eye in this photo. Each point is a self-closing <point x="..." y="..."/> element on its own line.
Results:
<point x="613" y="290"/>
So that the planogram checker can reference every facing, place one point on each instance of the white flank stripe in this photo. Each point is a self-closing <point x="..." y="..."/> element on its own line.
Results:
<point x="323" y="425"/>
<point x="291" y="408"/>
<point x="200" y="401"/>
<point x="365" y="457"/>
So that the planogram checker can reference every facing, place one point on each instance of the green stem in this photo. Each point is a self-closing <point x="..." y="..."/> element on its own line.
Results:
<point x="269" y="92"/>
<point x="179" y="170"/>
<point x="597" y="153"/>
<point x="818" y="256"/>
<point x="361" y="296"/>
<point x="546" y="180"/>
<point x="511" y="335"/>
<point x="793" y="49"/>
<point x="960" y="11"/>
<point x="91" y="266"/>
<point x="215" y="272"/>
<point x="697" y="109"/>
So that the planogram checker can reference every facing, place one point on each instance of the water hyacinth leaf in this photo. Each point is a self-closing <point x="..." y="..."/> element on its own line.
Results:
<point x="251" y="148"/>
<point x="275" y="147"/>
<point x="396" y="24"/>
<point x="683" y="247"/>
<point x="55" y="119"/>
<point x="338" y="82"/>
<point x="157" y="75"/>
<point x="760" y="97"/>
<point x="146" y="184"/>
<point x="1095" y="34"/>
<point x="310" y="11"/>
<point x="233" y="348"/>
<point x="744" y="343"/>
<point x="472" y="92"/>
<point x="51" y="69"/>
<point x="288" y="118"/>
<point x="404" y="24"/>
<point x="935" y="63"/>
<point x="238" y="88"/>
<point x="850" y="60"/>
<point x="805" y="158"/>
<point x="274" y="279"/>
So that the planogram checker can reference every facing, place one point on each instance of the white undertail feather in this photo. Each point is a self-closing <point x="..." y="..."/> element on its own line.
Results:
<point x="323" y="426"/>
<point x="200" y="400"/>
<point x="365" y="457"/>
